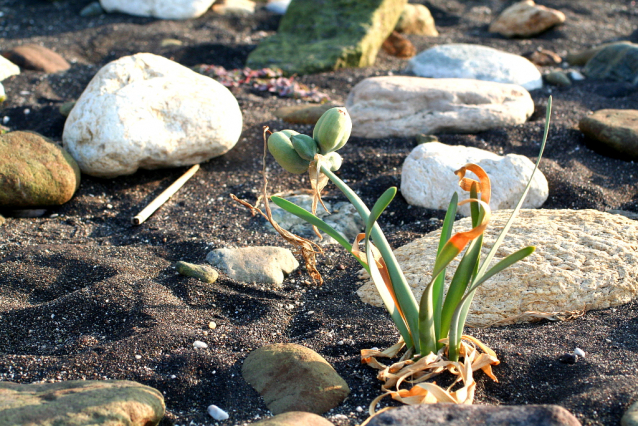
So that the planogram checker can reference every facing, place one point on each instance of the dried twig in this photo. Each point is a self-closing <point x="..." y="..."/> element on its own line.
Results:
<point x="164" y="196"/>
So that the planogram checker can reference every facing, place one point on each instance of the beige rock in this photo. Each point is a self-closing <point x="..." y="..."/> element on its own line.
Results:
<point x="80" y="403"/>
<point x="291" y="377"/>
<point x="408" y="106"/>
<point x="416" y="19"/>
<point x="584" y="259"/>
<point x="234" y="7"/>
<point x="525" y="19"/>
<point x="295" y="418"/>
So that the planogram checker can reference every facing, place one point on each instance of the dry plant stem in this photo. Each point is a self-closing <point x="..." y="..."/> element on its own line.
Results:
<point x="304" y="246"/>
<point x="164" y="196"/>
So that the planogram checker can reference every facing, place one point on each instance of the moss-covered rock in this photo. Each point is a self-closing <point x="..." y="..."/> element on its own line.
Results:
<point x="325" y="35"/>
<point x="35" y="172"/>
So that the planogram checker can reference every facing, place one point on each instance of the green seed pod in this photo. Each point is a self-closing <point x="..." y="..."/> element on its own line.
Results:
<point x="305" y="146"/>
<point x="332" y="130"/>
<point x="281" y="148"/>
<point x="335" y="161"/>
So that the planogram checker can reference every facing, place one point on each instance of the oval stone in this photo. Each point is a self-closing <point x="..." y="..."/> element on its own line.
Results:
<point x="35" y="172"/>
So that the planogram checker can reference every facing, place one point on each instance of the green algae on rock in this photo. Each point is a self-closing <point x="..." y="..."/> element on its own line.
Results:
<point x="35" y="172"/>
<point x="316" y="36"/>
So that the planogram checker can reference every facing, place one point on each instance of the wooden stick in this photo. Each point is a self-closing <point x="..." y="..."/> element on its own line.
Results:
<point x="164" y="196"/>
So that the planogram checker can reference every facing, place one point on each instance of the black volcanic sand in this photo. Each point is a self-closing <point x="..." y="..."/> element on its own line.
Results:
<point x="82" y="291"/>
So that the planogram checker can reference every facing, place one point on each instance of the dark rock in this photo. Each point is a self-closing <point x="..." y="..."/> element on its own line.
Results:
<point x="35" y="172"/>
<point x="324" y="36"/>
<point x="291" y="377"/>
<point x="463" y="415"/>
<point x="203" y="273"/>
<point x="618" y="62"/>
<point x="567" y="359"/>
<point x="581" y="58"/>
<point x="295" y="418"/>
<point x="616" y="129"/>
<point x="80" y="403"/>
<point x="558" y="78"/>
<point x="38" y="58"/>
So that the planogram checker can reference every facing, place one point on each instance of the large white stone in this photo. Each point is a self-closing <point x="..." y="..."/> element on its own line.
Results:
<point x="477" y="62"/>
<point x="408" y="106"/>
<point x="145" y="111"/>
<point x="7" y="68"/>
<point x="584" y="259"/>
<point x="428" y="179"/>
<point x="162" y="9"/>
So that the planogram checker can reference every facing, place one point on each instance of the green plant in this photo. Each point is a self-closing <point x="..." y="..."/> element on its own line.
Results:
<point x="435" y="325"/>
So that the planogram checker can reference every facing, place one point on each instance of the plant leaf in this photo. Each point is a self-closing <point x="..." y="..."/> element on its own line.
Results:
<point x="304" y="214"/>
<point x="437" y="287"/>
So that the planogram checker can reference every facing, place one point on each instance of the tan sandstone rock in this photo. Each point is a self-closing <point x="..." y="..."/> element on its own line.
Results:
<point x="525" y="19"/>
<point x="80" y="403"/>
<point x="584" y="259"/>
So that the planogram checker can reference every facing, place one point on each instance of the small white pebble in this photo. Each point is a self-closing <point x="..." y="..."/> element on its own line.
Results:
<point x="212" y="325"/>
<point x="576" y="75"/>
<point x="198" y="344"/>
<point x="5" y="119"/>
<point x="173" y="376"/>
<point x="52" y="316"/>
<point x="359" y="409"/>
<point x="217" y="413"/>
<point x="579" y="352"/>
<point x="109" y="206"/>
<point x="339" y="417"/>
<point x="27" y="111"/>
<point x="340" y="342"/>
<point x="310" y="312"/>
<point x="138" y="356"/>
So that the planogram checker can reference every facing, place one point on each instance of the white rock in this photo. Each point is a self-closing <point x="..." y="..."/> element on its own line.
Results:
<point x="162" y="9"/>
<point x="576" y="75"/>
<point x="579" y="352"/>
<point x="584" y="259"/>
<point x="198" y="344"/>
<point x="7" y="68"/>
<point x="428" y="179"/>
<point x="217" y="413"/>
<point x="408" y="106"/>
<point x="477" y="62"/>
<point x="254" y="264"/>
<point x="278" y="6"/>
<point x="146" y="111"/>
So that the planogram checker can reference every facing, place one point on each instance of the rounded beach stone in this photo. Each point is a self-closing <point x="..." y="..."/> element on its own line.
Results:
<point x="162" y="9"/>
<point x="616" y="129"/>
<point x="402" y="106"/>
<point x="428" y="179"/>
<point x="292" y="377"/>
<point x="478" y="62"/>
<point x="38" y="58"/>
<point x="254" y="264"/>
<point x="81" y="403"/>
<point x="584" y="259"/>
<point x="295" y="418"/>
<point x="525" y="19"/>
<point x="618" y="62"/>
<point x="146" y="111"/>
<point x="35" y="172"/>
